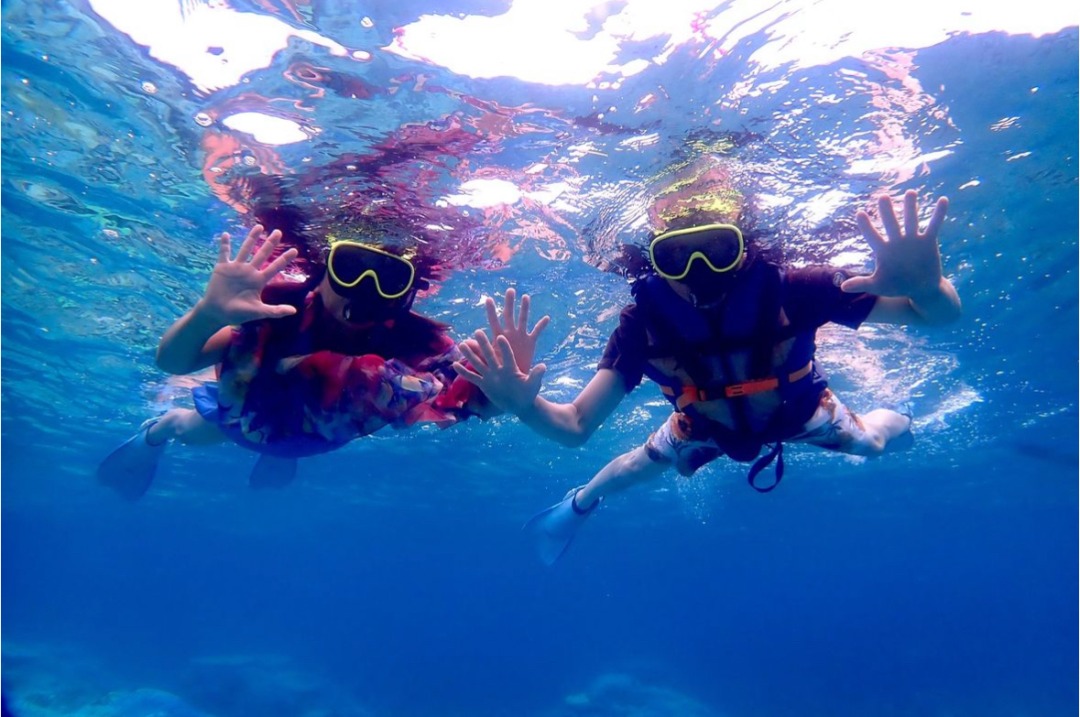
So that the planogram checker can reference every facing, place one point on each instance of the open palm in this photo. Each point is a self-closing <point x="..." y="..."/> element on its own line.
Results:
<point x="234" y="293"/>
<point x="502" y="367"/>
<point x="521" y="340"/>
<point x="907" y="262"/>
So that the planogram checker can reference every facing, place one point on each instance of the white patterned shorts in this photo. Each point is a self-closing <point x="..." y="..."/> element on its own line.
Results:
<point x="833" y="426"/>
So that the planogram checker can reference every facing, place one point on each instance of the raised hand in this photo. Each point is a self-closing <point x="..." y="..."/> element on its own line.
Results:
<point x="495" y="371"/>
<point x="907" y="262"/>
<point x="234" y="293"/>
<point x="504" y="370"/>
<point x="520" y="339"/>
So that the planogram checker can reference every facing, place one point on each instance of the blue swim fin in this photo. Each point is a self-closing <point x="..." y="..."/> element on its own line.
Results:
<point x="129" y="470"/>
<point x="272" y="472"/>
<point x="554" y="528"/>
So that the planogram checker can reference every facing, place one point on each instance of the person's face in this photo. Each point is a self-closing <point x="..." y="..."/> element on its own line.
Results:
<point x="365" y="284"/>
<point x="704" y="287"/>
<point x="363" y="307"/>
<point x="336" y="306"/>
<point x="699" y="262"/>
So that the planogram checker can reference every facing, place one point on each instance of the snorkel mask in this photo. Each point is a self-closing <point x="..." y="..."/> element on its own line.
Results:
<point x="704" y="258"/>
<point x="351" y="262"/>
<point x="378" y="284"/>
<point x="720" y="247"/>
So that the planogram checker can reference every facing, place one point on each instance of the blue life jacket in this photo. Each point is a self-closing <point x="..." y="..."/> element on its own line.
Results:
<point x="739" y="368"/>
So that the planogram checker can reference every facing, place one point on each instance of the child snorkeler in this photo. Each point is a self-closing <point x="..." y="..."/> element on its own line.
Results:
<point x="729" y="336"/>
<point x="306" y="367"/>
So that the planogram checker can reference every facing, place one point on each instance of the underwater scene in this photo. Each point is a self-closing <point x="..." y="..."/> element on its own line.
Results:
<point x="408" y="553"/>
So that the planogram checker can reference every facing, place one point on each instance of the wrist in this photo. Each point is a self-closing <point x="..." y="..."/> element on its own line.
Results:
<point x="526" y="410"/>
<point x="938" y="304"/>
<point x="207" y="316"/>
<point x="928" y="294"/>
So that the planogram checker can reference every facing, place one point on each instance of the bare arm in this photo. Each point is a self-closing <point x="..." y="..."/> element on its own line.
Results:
<point x="192" y="343"/>
<point x="907" y="278"/>
<point x="572" y="423"/>
<point x="233" y="295"/>
<point x="496" y="372"/>
<point x="502" y="370"/>
<point x="931" y="309"/>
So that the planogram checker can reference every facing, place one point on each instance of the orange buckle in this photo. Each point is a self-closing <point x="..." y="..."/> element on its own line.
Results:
<point x="749" y="388"/>
<point x="688" y="395"/>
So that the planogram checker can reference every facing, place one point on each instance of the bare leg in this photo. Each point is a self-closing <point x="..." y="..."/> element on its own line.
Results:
<point x="130" y="468"/>
<point x="624" y="471"/>
<point x="186" y="426"/>
<point x="836" y="428"/>
<point x="884" y="426"/>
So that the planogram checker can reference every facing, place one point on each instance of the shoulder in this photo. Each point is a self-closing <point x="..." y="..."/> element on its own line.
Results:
<point x="631" y="312"/>
<point x="626" y="347"/>
<point x="632" y="320"/>
<point x="815" y="278"/>
<point x="813" y="297"/>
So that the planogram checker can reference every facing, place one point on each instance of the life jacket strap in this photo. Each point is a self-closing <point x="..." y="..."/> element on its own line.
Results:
<point x="775" y="454"/>
<point x="749" y="388"/>
<point x="693" y="394"/>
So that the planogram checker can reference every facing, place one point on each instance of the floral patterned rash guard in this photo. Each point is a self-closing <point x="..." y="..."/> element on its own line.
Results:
<point x="307" y="384"/>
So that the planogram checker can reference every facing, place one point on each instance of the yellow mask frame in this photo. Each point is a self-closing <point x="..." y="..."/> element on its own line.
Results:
<point x="388" y="260"/>
<point x="695" y="243"/>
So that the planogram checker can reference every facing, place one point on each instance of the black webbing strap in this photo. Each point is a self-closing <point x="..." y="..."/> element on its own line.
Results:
<point x="777" y="454"/>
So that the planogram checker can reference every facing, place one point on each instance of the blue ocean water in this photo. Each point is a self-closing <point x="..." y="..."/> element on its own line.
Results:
<point x="392" y="578"/>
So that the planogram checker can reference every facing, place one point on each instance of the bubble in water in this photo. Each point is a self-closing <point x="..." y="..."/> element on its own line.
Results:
<point x="366" y="23"/>
<point x="149" y="88"/>
<point x="204" y="120"/>
<point x="361" y="55"/>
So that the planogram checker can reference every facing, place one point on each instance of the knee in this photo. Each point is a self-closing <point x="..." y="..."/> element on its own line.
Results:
<point x="885" y="431"/>
<point x="868" y="443"/>
<point x="900" y="442"/>
<point x="653" y="454"/>
<point x="872" y="447"/>
<point x="879" y="444"/>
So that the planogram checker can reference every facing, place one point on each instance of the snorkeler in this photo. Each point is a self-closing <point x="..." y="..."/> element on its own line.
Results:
<point x="305" y="367"/>
<point x="729" y="336"/>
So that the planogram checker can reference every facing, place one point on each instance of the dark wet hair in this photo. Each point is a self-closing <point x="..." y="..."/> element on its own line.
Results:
<point x="274" y="205"/>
